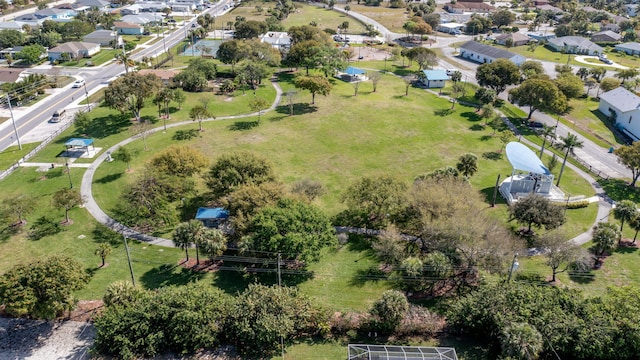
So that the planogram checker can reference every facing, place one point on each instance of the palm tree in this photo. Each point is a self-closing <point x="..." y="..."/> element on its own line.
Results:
<point x="214" y="243"/>
<point x="604" y="236"/>
<point x="190" y="233"/>
<point x="199" y="113"/>
<point x="125" y="60"/>
<point x="569" y="142"/>
<point x="547" y="132"/>
<point x="625" y="210"/>
<point x="103" y="250"/>
<point x="467" y="164"/>
<point x="521" y="341"/>
<point x="634" y="223"/>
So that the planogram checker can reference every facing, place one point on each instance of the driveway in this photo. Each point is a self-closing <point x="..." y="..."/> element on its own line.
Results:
<point x="583" y="59"/>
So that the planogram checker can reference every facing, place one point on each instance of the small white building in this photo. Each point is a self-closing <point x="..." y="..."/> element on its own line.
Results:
<point x="103" y="37"/>
<point x="485" y="54"/>
<point x="624" y="106"/>
<point x="451" y="28"/>
<point x="434" y="78"/>
<point x="278" y="40"/>
<point x="574" y="45"/>
<point x="631" y="48"/>
<point x="75" y="49"/>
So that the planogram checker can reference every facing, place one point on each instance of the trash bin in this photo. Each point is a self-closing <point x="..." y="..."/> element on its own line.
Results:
<point x="611" y="150"/>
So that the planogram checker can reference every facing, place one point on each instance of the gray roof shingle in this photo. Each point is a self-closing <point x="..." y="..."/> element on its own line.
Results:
<point x="490" y="51"/>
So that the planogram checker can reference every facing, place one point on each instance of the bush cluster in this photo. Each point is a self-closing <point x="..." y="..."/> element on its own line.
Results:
<point x="192" y="317"/>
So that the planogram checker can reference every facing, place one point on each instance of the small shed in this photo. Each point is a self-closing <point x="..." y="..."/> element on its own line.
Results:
<point x="353" y="74"/>
<point x="79" y="144"/>
<point x="212" y="217"/>
<point x="434" y="78"/>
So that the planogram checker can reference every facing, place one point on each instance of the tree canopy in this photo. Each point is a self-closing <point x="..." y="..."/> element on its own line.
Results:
<point x="179" y="160"/>
<point x="536" y="210"/>
<point x="498" y="75"/>
<point x="539" y="94"/>
<point x="629" y="156"/>
<point x="43" y="289"/>
<point x="129" y="92"/>
<point x="233" y="170"/>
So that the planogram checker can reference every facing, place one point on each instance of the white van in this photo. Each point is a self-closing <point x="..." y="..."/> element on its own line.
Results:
<point x="58" y="116"/>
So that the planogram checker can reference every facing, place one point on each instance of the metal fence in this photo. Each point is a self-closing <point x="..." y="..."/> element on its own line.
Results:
<point x="31" y="153"/>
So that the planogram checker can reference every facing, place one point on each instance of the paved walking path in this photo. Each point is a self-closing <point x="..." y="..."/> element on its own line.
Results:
<point x="94" y="209"/>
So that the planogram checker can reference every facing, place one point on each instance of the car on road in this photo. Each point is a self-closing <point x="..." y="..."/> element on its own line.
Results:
<point x="535" y="124"/>
<point x="78" y="83"/>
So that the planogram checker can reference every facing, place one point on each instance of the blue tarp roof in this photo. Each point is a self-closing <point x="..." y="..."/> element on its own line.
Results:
<point x="522" y="158"/>
<point x="354" y="71"/>
<point x="212" y="213"/>
<point x="435" y="74"/>
<point x="79" y="142"/>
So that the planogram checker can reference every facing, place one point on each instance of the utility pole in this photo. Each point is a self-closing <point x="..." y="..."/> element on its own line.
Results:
<point x="514" y="266"/>
<point x="86" y="94"/>
<point x="13" y="121"/>
<point x="126" y="247"/>
<point x="279" y="278"/>
<point x="66" y="163"/>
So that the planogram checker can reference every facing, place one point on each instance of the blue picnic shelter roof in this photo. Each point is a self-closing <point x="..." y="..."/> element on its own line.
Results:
<point x="212" y="213"/>
<point x="78" y="142"/>
<point x="354" y="71"/>
<point x="435" y="75"/>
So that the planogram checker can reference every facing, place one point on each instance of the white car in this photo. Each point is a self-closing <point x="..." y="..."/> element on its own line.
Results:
<point x="78" y="83"/>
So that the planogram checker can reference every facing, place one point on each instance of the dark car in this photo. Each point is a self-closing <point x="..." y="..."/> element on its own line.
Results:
<point x="535" y="124"/>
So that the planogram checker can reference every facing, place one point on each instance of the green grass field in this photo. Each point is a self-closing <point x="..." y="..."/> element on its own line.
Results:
<point x="304" y="15"/>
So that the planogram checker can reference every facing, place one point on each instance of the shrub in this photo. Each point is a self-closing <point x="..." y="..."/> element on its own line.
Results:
<point x="419" y="321"/>
<point x="577" y="204"/>
<point x="388" y="311"/>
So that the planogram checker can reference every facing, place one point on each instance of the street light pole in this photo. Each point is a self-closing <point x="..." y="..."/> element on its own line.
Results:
<point x="514" y="266"/>
<point x="126" y="247"/>
<point x="13" y="121"/>
<point x="86" y="94"/>
<point x="66" y="163"/>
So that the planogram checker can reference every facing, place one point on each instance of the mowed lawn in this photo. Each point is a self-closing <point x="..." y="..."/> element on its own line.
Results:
<point x="304" y="15"/>
<point x="336" y="141"/>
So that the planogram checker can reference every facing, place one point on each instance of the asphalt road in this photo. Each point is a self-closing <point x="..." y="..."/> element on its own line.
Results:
<point x="41" y="112"/>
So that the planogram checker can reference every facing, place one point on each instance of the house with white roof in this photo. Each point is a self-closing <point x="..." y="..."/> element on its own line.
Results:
<point x="574" y="45"/>
<point x="277" y="40"/>
<point x="451" y="27"/>
<point x="631" y="48"/>
<point x="475" y="51"/>
<point x="101" y="5"/>
<point x="142" y="18"/>
<point x="126" y="28"/>
<point x="32" y="20"/>
<point x="606" y="36"/>
<point x="623" y="106"/>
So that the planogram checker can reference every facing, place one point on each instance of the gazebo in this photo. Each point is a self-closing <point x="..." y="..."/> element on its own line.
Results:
<point x="78" y="144"/>
<point x="352" y="74"/>
<point x="528" y="176"/>
<point x="212" y="217"/>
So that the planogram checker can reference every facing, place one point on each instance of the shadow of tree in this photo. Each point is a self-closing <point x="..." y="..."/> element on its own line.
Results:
<point x="165" y="275"/>
<point x="104" y="126"/>
<point x="582" y="277"/>
<point x="8" y="231"/>
<point x="443" y="112"/>
<point x="357" y="242"/>
<point x="298" y="109"/>
<point x="243" y="125"/>
<point x="370" y="274"/>
<point x="486" y="137"/>
<point x="24" y="336"/>
<point x="471" y="116"/>
<point x="104" y="234"/>
<point x="618" y="189"/>
<point x="488" y="195"/>
<point x="109" y="178"/>
<point x="477" y="127"/>
<point x="492" y="155"/>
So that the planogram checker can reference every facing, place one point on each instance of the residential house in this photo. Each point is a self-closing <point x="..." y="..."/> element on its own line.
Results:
<point x="541" y="37"/>
<point x="103" y="37"/>
<point x="550" y="8"/>
<point x="143" y="18"/>
<point x="165" y="75"/>
<point x="78" y="8"/>
<point x="75" y="49"/>
<point x="10" y="75"/>
<point x="461" y="7"/>
<point x="451" y="28"/>
<point x="434" y="78"/>
<point x="125" y="28"/>
<point x="60" y="15"/>
<point x="183" y="7"/>
<point x="481" y="53"/>
<point x="12" y="25"/>
<point x="32" y="20"/>
<point x="618" y="19"/>
<point x="101" y="5"/>
<point x="152" y="6"/>
<point x="5" y="53"/>
<point x="623" y="106"/>
<point x="606" y="36"/>
<point x="133" y="9"/>
<point x="516" y="39"/>
<point x="277" y="40"/>
<point x="574" y="45"/>
<point x="611" y="27"/>
<point x="632" y="9"/>
<point x="631" y="48"/>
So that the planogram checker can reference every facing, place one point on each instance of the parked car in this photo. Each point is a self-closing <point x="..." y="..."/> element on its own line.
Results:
<point x="535" y="124"/>
<point x="78" y="83"/>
